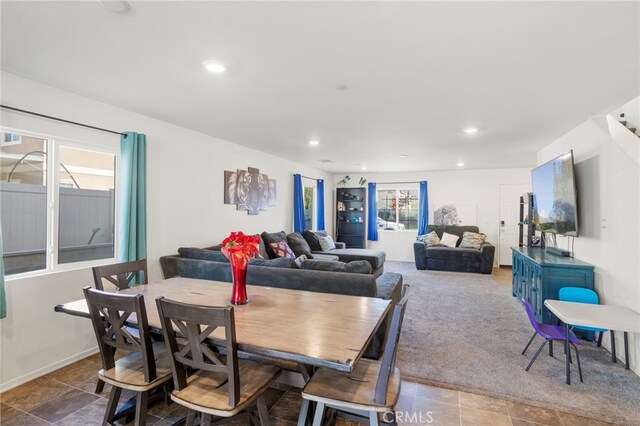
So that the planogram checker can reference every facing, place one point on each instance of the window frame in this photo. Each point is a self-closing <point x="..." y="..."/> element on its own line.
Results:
<point x="312" y="184"/>
<point x="397" y="189"/>
<point x="53" y="212"/>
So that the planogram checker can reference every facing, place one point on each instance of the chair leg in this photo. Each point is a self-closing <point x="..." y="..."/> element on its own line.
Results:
<point x="206" y="420"/>
<point x="536" y="355"/>
<point x="600" y="338"/>
<point x="263" y="413"/>
<point x="613" y="347"/>
<point x="304" y="410"/>
<point x="373" y="418"/>
<point x="99" y="386"/>
<point x="578" y="360"/>
<point x="529" y="344"/>
<point x="141" y="408"/>
<point x="191" y="418"/>
<point x="112" y="405"/>
<point x="551" y="348"/>
<point x="317" y="418"/>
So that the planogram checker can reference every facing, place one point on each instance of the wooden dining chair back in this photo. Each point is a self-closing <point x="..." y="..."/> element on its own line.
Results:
<point x="195" y="324"/>
<point x="388" y="360"/>
<point x="145" y="368"/>
<point x="121" y="275"/>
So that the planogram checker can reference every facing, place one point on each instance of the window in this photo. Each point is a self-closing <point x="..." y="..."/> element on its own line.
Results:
<point x="308" y="207"/>
<point x="9" y="139"/>
<point x="397" y="209"/>
<point x="78" y="185"/>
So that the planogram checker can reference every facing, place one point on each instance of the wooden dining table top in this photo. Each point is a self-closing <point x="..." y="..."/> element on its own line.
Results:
<point x="319" y="329"/>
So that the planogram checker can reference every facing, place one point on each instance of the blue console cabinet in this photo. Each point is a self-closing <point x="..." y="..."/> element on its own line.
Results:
<point x="538" y="276"/>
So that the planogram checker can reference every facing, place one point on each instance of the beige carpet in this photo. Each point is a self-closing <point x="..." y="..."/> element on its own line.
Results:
<point x="466" y="332"/>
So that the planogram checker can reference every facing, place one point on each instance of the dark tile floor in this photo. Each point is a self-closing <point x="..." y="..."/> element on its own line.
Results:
<point x="65" y="397"/>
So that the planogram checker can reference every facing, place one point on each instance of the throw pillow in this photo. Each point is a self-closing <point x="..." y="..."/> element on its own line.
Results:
<point x="472" y="240"/>
<point x="298" y="244"/>
<point x="327" y="243"/>
<point x="430" y="240"/>
<point x="298" y="260"/>
<point x="312" y="239"/>
<point x="274" y="237"/>
<point x="449" y="240"/>
<point x="202" y="254"/>
<point x="353" y="267"/>
<point x="282" y="249"/>
<point x="281" y="262"/>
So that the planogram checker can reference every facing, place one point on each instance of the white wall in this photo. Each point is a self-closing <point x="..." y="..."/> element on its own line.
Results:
<point x="481" y="187"/>
<point x="185" y="208"/>
<point x="609" y="218"/>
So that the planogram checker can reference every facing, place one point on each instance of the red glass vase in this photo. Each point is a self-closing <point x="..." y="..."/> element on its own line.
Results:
<point x="239" y="291"/>
<point x="239" y="256"/>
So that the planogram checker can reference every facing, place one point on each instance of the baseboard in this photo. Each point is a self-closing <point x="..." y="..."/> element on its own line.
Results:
<point x="47" y="369"/>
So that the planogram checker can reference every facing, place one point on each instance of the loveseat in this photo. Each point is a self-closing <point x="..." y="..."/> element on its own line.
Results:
<point x="456" y="259"/>
<point x="284" y="273"/>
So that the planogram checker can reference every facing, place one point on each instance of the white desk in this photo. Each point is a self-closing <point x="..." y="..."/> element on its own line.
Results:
<point x="609" y="317"/>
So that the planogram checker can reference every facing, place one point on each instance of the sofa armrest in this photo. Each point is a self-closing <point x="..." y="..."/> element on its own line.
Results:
<point x="340" y="245"/>
<point x="168" y="264"/>
<point x="420" y="255"/>
<point x="488" y="251"/>
<point x="389" y="287"/>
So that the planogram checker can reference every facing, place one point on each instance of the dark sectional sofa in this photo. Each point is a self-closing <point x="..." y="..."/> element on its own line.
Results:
<point x="454" y="259"/>
<point x="284" y="273"/>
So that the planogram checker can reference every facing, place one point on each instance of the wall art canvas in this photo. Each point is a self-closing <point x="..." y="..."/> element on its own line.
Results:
<point x="455" y="213"/>
<point x="249" y="190"/>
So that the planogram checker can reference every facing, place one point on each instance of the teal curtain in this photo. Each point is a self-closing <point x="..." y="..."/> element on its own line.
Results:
<point x="3" y="294"/>
<point x="132" y="194"/>
<point x="423" y="208"/>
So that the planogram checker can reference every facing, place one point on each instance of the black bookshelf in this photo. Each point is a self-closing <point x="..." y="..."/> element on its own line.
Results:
<point x="351" y="206"/>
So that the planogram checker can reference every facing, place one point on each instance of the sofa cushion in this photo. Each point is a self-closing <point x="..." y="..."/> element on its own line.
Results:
<point x="375" y="257"/>
<point x="282" y="249"/>
<point x="431" y="239"/>
<point x="281" y="262"/>
<point x="272" y="237"/>
<point x="325" y="257"/>
<point x="452" y="229"/>
<point x="299" y="245"/>
<point x="452" y="253"/>
<point x="327" y="243"/>
<point x="355" y="267"/>
<point x="203" y="254"/>
<point x="449" y="240"/>
<point x="472" y="240"/>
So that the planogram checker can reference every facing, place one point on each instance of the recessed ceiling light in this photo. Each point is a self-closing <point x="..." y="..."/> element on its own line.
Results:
<point x="460" y="164"/>
<point x="363" y="168"/>
<point x="403" y="155"/>
<point x="214" y="67"/>
<point x="114" y="6"/>
<point x="470" y="130"/>
<point x="314" y="142"/>
<point x="341" y="87"/>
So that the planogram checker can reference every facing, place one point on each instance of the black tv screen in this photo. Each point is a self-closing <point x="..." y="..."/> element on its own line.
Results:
<point x="554" y="195"/>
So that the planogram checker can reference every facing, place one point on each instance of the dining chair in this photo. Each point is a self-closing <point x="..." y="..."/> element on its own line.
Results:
<point x="120" y="274"/>
<point x="586" y="295"/>
<point x="218" y="386"/>
<point x="146" y="367"/>
<point x="549" y="333"/>
<point x="372" y="388"/>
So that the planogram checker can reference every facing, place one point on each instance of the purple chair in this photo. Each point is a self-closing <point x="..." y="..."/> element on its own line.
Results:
<point x="549" y="333"/>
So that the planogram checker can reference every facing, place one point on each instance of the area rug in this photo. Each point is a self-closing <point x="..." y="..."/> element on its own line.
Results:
<point x="466" y="332"/>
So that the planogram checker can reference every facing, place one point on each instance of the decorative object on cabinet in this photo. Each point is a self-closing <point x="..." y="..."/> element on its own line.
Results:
<point x="249" y="190"/>
<point x="350" y="206"/>
<point x="345" y="180"/>
<point x="362" y="181"/>
<point x="538" y="276"/>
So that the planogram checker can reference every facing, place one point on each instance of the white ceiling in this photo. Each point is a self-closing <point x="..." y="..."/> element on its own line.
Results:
<point x="417" y="72"/>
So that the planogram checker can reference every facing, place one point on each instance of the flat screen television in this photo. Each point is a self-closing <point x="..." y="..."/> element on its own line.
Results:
<point x="554" y="196"/>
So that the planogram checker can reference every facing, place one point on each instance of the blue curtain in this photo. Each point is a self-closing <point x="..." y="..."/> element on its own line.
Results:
<point x="320" y="209"/>
<point x="372" y="213"/>
<point x="423" y="208"/>
<point x="132" y="194"/>
<point x="3" y="294"/>
<point x="298" y="204"/>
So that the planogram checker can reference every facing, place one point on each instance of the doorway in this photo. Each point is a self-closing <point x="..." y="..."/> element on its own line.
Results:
<point x="509" y="219"/>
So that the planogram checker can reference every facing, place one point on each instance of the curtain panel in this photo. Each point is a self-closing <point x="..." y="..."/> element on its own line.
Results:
<point x="372" y="212"/>
<point x="423" y="208"/>
<point x="320" y="209"/>
<point x="298" y="204"/>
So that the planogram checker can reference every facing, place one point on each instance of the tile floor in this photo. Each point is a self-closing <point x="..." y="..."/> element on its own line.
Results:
<point x="65" y="397"/>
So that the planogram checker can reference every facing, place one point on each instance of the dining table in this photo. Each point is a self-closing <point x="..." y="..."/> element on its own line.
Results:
<point x="310" y="329"/>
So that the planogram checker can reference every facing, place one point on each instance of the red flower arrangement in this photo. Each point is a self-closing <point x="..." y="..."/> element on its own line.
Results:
<point x="239" y="248"/>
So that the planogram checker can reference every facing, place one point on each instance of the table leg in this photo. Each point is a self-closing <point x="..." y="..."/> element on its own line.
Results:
<point x="614" y="359"/>
<point x="307" y="409"/>
<point x="626" y="350"/>
<point x="566" y="350"/>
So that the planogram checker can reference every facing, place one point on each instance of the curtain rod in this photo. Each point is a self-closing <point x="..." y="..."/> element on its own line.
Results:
<point x="63" y="120"/>
<point x="307" y="177"/>
<point x="395" y="183"/>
